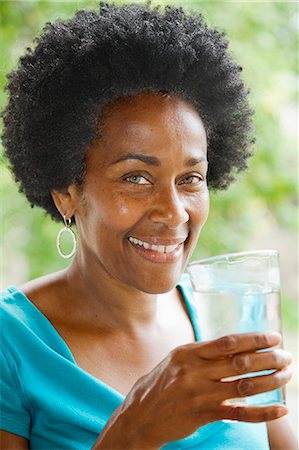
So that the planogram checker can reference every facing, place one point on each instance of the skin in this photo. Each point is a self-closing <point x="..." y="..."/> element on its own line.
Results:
<point x="117" y="298"/>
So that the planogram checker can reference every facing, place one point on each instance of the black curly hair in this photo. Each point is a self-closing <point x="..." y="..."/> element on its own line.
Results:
<point x="79" y="65"/>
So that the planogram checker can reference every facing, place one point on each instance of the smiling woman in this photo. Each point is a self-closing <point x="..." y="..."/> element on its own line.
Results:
<point x="110" y="124"/>
<point x="144" y="196"/>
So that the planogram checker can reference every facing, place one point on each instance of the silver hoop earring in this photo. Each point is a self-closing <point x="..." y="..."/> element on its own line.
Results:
<point x="66" y="229"/>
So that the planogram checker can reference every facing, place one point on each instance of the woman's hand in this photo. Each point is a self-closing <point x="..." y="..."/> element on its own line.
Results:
<point x="185" y="391"/>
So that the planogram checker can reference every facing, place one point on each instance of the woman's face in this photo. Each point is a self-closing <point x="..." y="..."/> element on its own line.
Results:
<point x="145" y="196"/>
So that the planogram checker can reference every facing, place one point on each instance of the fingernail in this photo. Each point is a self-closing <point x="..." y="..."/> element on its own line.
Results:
<point x="274" y="335"/>
<point x="281" y="411"/>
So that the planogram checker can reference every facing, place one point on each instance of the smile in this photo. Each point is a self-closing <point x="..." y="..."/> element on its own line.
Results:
<point x="159" y="250"/>
<point x="153" y="247"/>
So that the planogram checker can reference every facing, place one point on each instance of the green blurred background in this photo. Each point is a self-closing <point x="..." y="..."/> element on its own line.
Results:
<point x="259" y="211"/>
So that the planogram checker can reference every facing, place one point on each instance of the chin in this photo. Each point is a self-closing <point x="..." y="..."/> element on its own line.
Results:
<point x="159" y="285"/>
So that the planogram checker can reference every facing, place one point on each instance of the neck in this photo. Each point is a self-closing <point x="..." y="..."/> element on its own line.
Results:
<point x="105" y="301"/>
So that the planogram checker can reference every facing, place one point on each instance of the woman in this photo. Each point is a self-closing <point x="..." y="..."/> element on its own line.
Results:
<point x="110" y="125"/>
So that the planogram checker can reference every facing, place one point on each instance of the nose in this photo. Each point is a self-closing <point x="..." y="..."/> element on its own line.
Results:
<point x="169" y="209"/>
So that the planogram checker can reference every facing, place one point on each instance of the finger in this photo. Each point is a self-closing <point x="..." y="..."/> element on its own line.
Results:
<point x="236" y="343"/>
<point x="252" y="413"/>
<point x="255" y="385"/>
<point x="249" y="362"/>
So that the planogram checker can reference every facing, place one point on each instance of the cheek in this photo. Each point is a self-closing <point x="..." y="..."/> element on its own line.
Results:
<point x="118" y="212"/>
<point x="97" y="210"/>
<point x="123" y="209"/>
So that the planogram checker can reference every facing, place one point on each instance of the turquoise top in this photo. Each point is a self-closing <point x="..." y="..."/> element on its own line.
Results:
<point x="48" y="399"/>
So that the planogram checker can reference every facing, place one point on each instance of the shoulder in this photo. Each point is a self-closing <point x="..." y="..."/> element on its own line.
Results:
<point x="10" y="304"/>
<point x="46" y="292"/>
<point x="41" y="287"/>
<point x="20" y="306"/>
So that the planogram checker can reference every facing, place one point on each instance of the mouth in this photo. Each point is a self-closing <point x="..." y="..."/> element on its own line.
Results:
<point x="158" y="250"/>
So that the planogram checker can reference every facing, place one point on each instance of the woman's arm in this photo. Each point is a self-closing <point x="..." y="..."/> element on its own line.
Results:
<point x="280" y="435"/>
<point x="11" y="441"/>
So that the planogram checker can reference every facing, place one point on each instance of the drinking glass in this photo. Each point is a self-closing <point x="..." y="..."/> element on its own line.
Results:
<point x="239" y="293"/>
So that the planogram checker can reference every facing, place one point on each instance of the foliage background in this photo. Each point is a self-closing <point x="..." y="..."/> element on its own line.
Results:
<point x="258" y="211"/>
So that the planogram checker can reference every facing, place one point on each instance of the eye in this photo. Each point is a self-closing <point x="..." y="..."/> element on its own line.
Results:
<point x="137" y="179"/>
<point x="192" y="179"/>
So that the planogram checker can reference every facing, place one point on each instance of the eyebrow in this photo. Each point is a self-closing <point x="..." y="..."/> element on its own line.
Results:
<point x="153" y="161"/>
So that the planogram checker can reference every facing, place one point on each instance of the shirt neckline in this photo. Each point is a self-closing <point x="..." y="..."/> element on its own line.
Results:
<point x="67" y="353"/>
<point x="199" y="436"/>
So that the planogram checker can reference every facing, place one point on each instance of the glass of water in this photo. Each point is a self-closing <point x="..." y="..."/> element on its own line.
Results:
<point x="239" y="293"/>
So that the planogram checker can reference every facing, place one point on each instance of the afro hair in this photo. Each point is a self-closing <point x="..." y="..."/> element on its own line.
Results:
<point x="79" y="65"/>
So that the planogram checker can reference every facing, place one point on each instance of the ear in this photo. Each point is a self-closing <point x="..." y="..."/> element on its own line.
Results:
<point x="64" y="203"/>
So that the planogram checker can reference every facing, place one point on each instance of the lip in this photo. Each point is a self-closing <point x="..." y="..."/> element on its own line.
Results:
<point x="157" y="257"/>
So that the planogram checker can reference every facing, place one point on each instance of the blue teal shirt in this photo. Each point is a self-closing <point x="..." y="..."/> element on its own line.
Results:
<point x="48" y="399"/>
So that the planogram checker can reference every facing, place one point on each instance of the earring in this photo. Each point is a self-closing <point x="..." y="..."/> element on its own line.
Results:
<point x="66" y="229"/>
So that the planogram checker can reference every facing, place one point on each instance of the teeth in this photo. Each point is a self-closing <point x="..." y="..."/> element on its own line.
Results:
<point x="170" y="248"/>
<point x="155" y="248"/>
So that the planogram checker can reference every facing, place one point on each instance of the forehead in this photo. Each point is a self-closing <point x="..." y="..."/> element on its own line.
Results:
<point x="166" y="127"/>
<point x="149" y="113"/>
